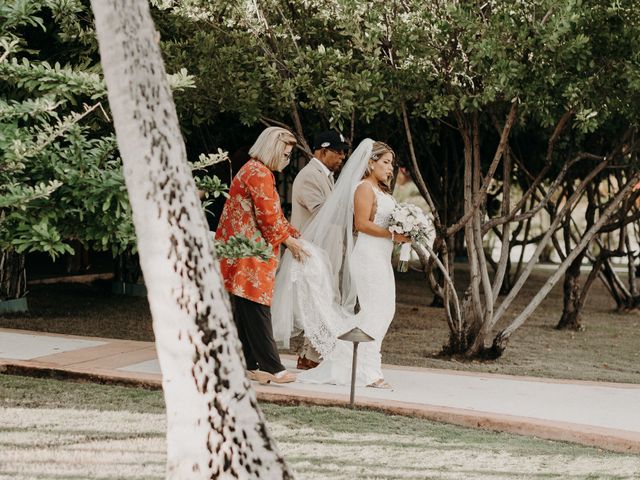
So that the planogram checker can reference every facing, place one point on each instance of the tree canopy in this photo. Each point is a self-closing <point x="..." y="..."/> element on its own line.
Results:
<point x="503" y="111"/>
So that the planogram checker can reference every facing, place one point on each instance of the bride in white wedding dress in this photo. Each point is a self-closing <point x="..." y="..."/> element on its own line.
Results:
<point x="322" y="294"/>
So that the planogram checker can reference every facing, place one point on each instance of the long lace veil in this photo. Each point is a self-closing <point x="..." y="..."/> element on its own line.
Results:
<point x="331" y="230"/>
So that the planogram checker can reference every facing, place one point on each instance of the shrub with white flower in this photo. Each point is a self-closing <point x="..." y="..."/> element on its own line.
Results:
<point x="409" y="220"/>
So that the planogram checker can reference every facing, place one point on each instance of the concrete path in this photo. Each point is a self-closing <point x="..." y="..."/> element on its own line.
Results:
<point x="601" y="414"/>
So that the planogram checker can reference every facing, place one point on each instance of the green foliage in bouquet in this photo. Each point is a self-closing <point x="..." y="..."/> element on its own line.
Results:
<point x="239" y="246"/>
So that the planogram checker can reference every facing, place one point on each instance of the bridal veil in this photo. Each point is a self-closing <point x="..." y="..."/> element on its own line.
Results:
<point x="319" y="295"/>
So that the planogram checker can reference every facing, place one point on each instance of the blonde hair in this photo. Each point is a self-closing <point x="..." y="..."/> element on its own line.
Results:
<point x="270" y="145"/>
<point x="377" y="151"/>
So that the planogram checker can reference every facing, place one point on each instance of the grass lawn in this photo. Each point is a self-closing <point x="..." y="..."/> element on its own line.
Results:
<point x="52" y="429"/>
<point x="606" y="350"/>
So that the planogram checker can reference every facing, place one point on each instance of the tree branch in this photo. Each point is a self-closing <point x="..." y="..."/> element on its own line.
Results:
<point x="481" y="195"/>
<point x="584" y="241"/>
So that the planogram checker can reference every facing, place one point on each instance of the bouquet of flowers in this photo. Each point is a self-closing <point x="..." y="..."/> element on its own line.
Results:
<point x="409" y="220"/>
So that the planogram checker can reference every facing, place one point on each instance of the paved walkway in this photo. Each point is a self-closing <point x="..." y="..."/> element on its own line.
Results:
<point x="602" y="414"/>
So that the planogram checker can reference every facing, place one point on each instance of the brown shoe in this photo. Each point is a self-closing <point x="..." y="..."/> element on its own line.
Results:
<point x="304" y="363"/>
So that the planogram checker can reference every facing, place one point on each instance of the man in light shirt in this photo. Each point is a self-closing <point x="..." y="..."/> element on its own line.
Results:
<point x="314" y="182"/>
<point x="311" y="187"/>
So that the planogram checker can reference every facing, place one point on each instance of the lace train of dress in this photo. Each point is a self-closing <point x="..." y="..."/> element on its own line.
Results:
<point x="372" y="272"/>
<point x="315" y="302"/>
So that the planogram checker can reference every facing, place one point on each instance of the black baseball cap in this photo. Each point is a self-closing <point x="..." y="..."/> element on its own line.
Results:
<point x="330" y="139"/>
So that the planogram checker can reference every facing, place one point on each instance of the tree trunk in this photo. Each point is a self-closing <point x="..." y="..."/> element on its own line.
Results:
<point x="468" y="342"/>
<point x="214" y="426"/>
<point x="625" y="301"/>
<point x="437" y="301"/>
<point x="13" y="275"/>
<point x="127" y="267"/>
<point x="574" y="294"/>
<point x="570" y="319"/>
<point x="616" y="288"/>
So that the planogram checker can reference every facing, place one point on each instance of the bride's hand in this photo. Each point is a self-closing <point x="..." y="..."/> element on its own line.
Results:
<point x="401" y="238"/>
<point x="297" y="250"/>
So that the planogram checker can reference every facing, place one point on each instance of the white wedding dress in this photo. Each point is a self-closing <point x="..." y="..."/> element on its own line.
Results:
<point x="372" y="274"/>
<point x="319" y="296"/>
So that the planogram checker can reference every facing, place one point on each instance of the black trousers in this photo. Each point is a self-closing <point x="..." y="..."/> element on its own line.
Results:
<point x="253" y="321"/>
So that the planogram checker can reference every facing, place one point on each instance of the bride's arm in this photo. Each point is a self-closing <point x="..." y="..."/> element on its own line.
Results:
<point x="363" y="202"/>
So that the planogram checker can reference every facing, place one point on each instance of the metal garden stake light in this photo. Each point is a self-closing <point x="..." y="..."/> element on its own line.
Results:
<point x="356" y="336"/>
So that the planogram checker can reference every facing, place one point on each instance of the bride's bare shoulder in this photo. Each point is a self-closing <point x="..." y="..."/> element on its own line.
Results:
<point x="365" y="188"/>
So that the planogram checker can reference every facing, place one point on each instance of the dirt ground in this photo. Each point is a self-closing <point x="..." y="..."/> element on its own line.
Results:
<point x="608" y="349"/>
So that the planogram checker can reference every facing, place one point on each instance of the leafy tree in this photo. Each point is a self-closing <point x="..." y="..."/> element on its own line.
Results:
<point x="48" y="154"/>
<point x="505" y="112"/>
<point x="534" y="68"/>
<point x="61" y="181"/>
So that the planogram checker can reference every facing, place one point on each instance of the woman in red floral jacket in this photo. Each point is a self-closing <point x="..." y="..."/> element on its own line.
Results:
<point x="253" y="209"/>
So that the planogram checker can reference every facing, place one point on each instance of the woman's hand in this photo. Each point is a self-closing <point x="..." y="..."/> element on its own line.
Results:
<point x="397" y="237"/>
<point x="297" y="250"/>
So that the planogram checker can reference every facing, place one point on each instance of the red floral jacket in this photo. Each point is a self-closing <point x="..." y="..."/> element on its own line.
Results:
<point x="253" y="207"/>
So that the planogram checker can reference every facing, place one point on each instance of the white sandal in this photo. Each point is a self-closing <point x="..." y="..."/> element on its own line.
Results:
<point x="380" y="383"/>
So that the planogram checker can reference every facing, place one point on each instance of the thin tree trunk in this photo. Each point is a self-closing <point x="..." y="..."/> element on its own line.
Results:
<point x="214" y="426"/>
<point x="448" y="257"/>
<point x="472" y="301"/>
<point x="631" y="271"/>
<point x="415" y="170"/>
<point x="127" y="267"/>
<point x="615" y="286"/>
<point x="611" y="289"/>
<point x="481" y="196"/>
<point x="570" y="319"/>
<point x="527" y="228"/>
<point x="487" y="308"/>
<point x="434" y="276"/>
<point x="504" y="262"/>
<point x="595" y="270"/>
<point x="574" y="296"/>
<point x="623" y="296"/>
<point x="295" y="116"/>
<point x="13" y="275"/>
<point x="441" y="297"/>
<point x="420" y="250"/>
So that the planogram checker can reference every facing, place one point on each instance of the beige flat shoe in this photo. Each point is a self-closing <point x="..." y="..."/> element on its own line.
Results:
<point x="287" y="377"/>
<point x="263" y="378"/>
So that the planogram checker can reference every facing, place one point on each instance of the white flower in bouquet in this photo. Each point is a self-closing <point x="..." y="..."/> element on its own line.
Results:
<point x="409" y="220"/>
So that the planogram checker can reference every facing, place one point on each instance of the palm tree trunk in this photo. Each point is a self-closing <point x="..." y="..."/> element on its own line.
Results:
<point x="214" y="426"/>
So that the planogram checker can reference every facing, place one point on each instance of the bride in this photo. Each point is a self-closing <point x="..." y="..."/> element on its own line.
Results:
<point x="345" y="281"/>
